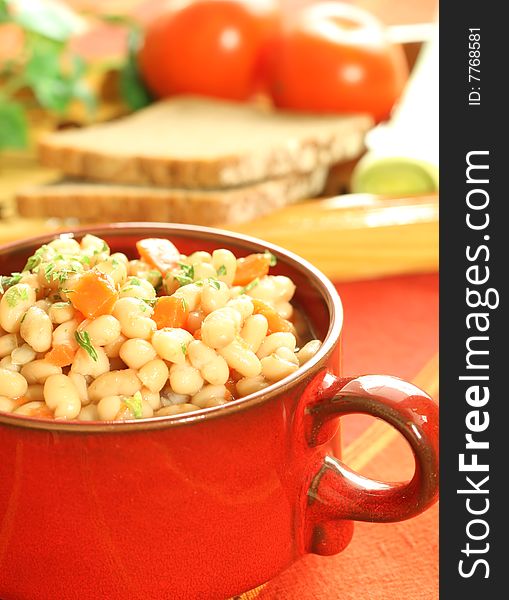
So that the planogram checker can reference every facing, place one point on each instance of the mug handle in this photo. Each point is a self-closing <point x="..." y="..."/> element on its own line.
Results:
<point x="338" y="493"/>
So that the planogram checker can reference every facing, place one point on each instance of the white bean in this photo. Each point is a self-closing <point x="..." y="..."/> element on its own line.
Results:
<point x="254" y="331"/>
<point x="308" y="351"/>
<point x="89" y="413"/>
<point x="154" y="375"/>
<point x="65" y="245"/>
<point x="115" y="383"/>
<point x="60" y="312"/>
<point x="151" y="398"/>
<point x="216" y="371"/>
<point x="191" y="294"/>
<point x="64" y="334"/>
<point x="239" y="357"/>
<point x="109" y="407"/>
<point x="185" y="379"/>
<point x="134" y="316"/>
<point x="32" y="408"/>
<point x="12" y="384"/>
<point x="243" y="304"/>
<point x="80" y="383"/>
<point x="14" y="304"/>
<point x="135" y="353"/>
<point x="116" y="269"/>
<point x="35" y="392"/>
<point x="207" y="393"/>
<point x="203" y="271"/>
<point x="287" y="354"/>
<point x="37" y="329"/>
<point x="6" y="363"/>
<point x="6" y="404"/>
<point x="251" y="385"/>
<point x="38" y="371"/>
<point x="171" y="343"/>
<point x="215" y="294"/>
<point x="220" y="327"/>
<point x="103" y="330"/>
<point x="275" y="368"/>
<point x="23" y="355"/>
<point x="84" y="364"/>
<point x="136" y="287"/>
<point x="175" y="409"/>
<point x="225" y="264"/>
<point x="112" y="350"/>
<point x="62" y="397"/>
<point x="200" y="354"/>
<point x="276" y="340"/>
<point x="8" y="343"/>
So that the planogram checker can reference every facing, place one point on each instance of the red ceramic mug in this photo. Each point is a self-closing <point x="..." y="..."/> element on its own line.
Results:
<point x="209" y="504"/>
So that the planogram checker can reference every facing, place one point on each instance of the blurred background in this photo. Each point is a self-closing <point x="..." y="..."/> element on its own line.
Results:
<point x="69" y="64"/>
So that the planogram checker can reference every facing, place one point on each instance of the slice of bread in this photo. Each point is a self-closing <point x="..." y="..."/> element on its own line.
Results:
<point x="102" y="202"/>
<point x="190" y="142"/>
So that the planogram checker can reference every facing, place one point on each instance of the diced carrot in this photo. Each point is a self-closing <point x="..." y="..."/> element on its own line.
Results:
<point x="159" y="253"/>
<point x="79" y="316"/>
<point x="94" y="294"/>
<point x="274" y="319"/>
<point x="61" y="355"/>
<point x="170" y="311"/>
<point x="251" y="267"/>
<point x="197" y="334"/>
<point x="42" y="412"/>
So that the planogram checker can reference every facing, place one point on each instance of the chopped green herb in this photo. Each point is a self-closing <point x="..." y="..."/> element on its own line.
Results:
<point x="250" y="286"/>
<point x="135" y="404"/>
<point x="221" y="270"/>
<point x="214" y="282"/>
<point x="150" y="301"/>
<point x="186" y="305"/>
<point x="84" y="260"/>
<point x="7" y="282"/>
<point x="115" y="263"/>
<point x="36" y="259"/>
<point x="183" y="279"/>
<point x="184" y="349"/>
<point x="14" y="294"/>
<point x="134" y="281"/>
<point x="83" y="340"/>
<point x="272" y="258"/>
<point x="105" y="247"/>
<point x="49" y="270"/>
<point x="155" y="278"/>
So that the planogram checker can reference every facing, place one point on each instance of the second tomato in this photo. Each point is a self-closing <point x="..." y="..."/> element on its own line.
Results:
<point x="207" y="47"/>
<point x="334" y="57"/>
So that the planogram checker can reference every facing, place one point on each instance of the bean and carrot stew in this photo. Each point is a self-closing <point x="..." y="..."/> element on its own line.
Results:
<point x="89" y="335"/>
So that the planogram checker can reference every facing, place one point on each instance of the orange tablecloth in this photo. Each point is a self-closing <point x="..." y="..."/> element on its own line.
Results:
<point x="391" y="326"/>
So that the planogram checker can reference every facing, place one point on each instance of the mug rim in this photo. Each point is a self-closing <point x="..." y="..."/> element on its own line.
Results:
<point x="322" y="284"/>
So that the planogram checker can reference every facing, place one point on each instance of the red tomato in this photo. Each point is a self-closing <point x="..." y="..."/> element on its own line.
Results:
<point x="335" y="57"/>
<point x="207" y="47"/>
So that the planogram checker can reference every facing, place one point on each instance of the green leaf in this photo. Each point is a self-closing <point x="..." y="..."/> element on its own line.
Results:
<point x="134" y="403"/>
<point x="132" y="89"/>
<point x="83" y="340"/>
<point x="48" y="18"/>
<point x="250" y="285"/>
<point x="4" y="13"/>
<point x="272" y="258"/>
<point x="14" y="127"/>
<point x="7" y="282"/>
<point x="14" y="295"/>
<point x="116" y="19"/>
<point x="221" y="270"/>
